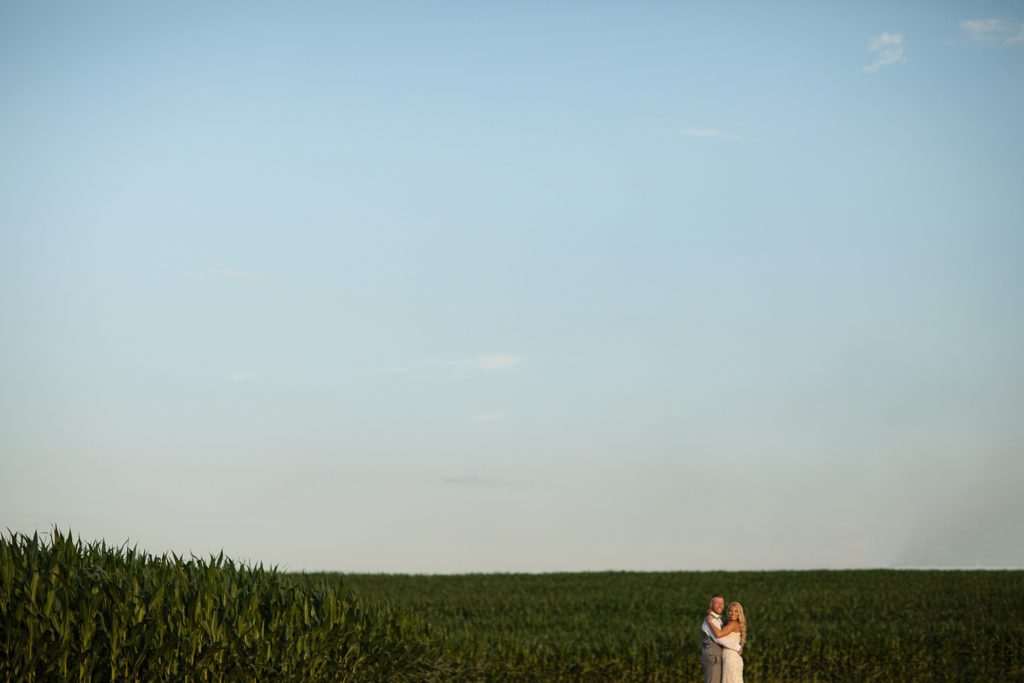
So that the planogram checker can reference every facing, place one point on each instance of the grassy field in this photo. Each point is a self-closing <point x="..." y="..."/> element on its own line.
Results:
<point x="90" y="612"/>
<point x="803" y="626"/>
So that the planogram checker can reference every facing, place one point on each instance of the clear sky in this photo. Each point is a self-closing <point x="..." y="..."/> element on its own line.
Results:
<point x="516" y="286"/>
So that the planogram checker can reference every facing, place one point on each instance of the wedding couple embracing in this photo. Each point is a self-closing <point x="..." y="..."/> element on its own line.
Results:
<point x="722" y="642"/>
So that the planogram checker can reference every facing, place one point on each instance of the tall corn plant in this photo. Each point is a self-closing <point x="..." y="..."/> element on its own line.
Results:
<point x="91" y="612"/>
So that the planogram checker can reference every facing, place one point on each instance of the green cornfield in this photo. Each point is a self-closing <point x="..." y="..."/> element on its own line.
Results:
<point x="877" y="625"/>
<point x="76" y="612"/>
<point x="90" y="612"/>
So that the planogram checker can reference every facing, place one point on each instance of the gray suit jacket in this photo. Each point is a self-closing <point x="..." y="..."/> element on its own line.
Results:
<point x="707" y="644"/>
<point x="710" y="657"/>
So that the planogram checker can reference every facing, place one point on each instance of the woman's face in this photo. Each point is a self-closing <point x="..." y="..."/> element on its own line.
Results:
<point x="734" y="613"/>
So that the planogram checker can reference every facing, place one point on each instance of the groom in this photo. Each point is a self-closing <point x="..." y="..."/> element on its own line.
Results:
<point x="710" y="648"/>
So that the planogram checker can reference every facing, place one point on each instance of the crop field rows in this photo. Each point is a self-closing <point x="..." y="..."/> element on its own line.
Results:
<point x="877" y="625"/>
<point x="90" y="612"/>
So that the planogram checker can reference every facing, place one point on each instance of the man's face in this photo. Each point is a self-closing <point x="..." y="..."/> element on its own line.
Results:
<point x="717" y="605"/>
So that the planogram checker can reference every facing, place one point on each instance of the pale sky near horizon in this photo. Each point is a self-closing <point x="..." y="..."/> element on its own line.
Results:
<point x="457" y="286"/>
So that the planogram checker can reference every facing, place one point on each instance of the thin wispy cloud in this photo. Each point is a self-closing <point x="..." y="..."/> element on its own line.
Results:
<point x="887" y="49"/>
<point x="395" y="371"/>
<point x="488" y="362"/>
<point x="238" y="376"/>
<point x="465" y="481"/>
<point x="994" y="31"/>
<point x="983" y="30"/>
<point x="483" y="364"/>
<point x="238" y="275"/>
<point x="229" y="275"/>
<point x="493" y="416"/>
<point x="712" y="133"/>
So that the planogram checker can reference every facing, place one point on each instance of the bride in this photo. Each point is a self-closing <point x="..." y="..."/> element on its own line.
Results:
<point x="733" y="633"/>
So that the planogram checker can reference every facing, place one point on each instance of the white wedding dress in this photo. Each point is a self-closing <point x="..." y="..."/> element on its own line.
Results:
<point x="732" y="663"/>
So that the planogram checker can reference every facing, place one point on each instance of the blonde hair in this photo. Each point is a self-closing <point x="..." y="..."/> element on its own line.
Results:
<point x="742" y="621"/>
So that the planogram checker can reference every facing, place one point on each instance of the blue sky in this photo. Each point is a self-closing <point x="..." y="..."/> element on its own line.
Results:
<point x="448" y="287"/>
